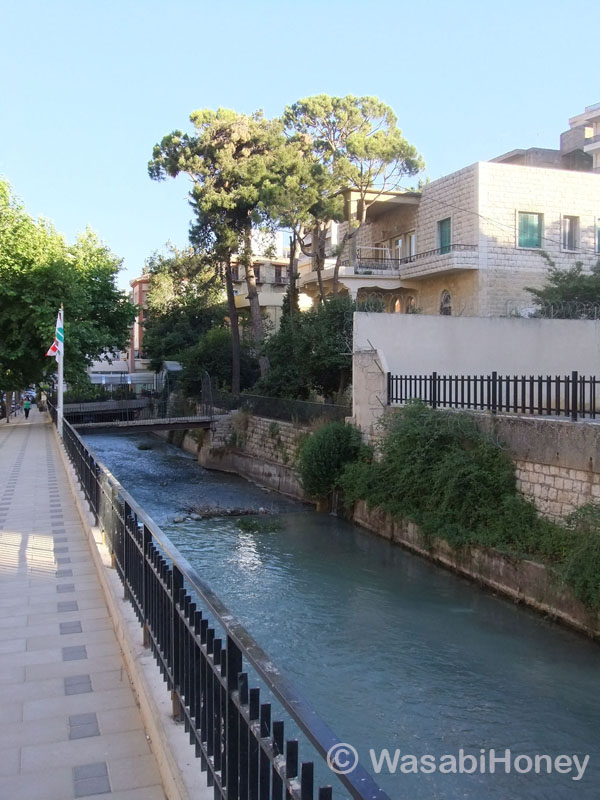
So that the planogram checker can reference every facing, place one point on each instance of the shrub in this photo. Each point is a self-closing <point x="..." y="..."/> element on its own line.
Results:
<point x="323" y="455"/>
<point x="581" y="566"/>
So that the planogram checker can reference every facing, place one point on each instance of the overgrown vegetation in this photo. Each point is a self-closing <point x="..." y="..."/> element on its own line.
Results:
<point x="259" y="524"/>
<point x="439" y="470"/>
<point x="571" y="293"/>
<point x="323" y="456"/>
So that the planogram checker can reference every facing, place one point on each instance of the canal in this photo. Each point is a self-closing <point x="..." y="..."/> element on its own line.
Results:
<point x="393" y="651"/>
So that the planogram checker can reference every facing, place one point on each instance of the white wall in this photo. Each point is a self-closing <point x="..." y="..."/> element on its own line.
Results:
<point x="415" y="344"/>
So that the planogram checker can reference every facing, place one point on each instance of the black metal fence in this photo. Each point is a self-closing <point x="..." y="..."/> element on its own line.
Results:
<point x="571" y="395"/>
<point x="205" y="656"/>
<point x="281" y="408"/>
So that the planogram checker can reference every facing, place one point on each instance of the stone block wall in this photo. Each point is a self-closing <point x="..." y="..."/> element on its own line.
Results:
<point x="265" y="439"/>
<point x="557" y="491"/>
<point x="259" y="449"/>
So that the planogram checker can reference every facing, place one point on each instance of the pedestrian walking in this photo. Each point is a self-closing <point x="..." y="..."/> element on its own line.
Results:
<point x="27" y="407"/>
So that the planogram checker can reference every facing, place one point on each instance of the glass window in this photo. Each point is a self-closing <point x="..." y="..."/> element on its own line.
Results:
<point x="445" y="234"/>
<point x="411" y="305"/>
<point x="412" y="244"/>
<point x="446" y="304"/>
<point x="570" y="233"/>
<point x="530" y="229"/>
<point x="398" y="247"/>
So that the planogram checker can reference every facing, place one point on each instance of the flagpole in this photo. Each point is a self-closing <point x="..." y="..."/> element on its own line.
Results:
<point x="60" y="359"/>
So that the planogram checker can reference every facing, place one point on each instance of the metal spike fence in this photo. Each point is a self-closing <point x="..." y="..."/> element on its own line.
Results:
<point x="208" y="661"/>
<point x="573" y="396"/>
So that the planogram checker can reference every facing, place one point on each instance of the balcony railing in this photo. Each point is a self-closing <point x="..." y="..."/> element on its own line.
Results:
<point x="439" y="251"/>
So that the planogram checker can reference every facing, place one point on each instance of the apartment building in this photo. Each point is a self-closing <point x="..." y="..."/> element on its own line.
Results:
<point x="471" y="242"/>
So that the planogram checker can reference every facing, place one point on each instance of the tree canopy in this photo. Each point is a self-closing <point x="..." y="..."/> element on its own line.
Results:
<point x="38" y="272"/>
<point x="185" y="300"/>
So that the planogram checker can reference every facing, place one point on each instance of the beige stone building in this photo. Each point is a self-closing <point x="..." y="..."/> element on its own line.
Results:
<point x="469" y="243"/>
<point x="272" y="280"/>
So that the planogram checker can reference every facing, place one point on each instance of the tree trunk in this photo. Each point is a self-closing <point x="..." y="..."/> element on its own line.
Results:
<point x="292" y="267"/>
<point x="319" y="251"/>
<point x="338" y="261"/>
<point x="258" y="328"/>
<point x="235" y="329"/>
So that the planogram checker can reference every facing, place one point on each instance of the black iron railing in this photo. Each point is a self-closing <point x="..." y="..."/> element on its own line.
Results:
<point x="571" y="395"/>
<point x="208" y="659"/>
<point x="282" y="408"/>
<point x="439" y="251"/>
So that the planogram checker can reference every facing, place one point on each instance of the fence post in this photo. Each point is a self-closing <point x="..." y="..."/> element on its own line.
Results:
<point x="176" y="586"/>
<point x="574" y="394"/>
<point x="389" y="388"/>
<point x="434" y="389"/>
<point x="234" y="668"/>
<point x="494" y="392"/>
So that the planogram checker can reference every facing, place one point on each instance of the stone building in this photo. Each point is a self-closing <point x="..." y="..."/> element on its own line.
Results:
<point x="469" y="243"/>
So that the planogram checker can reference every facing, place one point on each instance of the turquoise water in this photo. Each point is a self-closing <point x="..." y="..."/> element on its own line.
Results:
<point x="392" y="651"/>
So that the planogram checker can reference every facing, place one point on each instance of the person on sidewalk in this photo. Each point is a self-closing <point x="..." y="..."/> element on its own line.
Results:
<point x="27" y="407"/>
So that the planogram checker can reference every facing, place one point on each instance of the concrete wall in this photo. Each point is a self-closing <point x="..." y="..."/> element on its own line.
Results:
<point x="417" y="344"/>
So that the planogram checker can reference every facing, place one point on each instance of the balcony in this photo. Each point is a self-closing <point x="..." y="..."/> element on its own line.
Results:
<point x="453" y="258"/>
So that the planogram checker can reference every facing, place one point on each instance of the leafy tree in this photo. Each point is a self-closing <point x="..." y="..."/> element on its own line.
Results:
<point x="213" y="354"/>
<point x="227" y="158"/>
<point x="184" y="301"/>
<point x="38" y="272"/>
<point x="311" y="352"/>
<point x="356" y="144"/>
<point x="568" y="293"/>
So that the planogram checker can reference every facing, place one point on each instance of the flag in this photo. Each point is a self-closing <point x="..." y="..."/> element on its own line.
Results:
<point x="58" y="345"/>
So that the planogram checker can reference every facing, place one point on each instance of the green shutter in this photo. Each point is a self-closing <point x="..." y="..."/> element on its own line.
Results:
<point x="530" y="230"/>
<point x="445" y="235"/>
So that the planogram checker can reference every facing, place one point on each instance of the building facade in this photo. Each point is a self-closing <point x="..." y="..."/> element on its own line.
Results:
<point x="471" y="242"/>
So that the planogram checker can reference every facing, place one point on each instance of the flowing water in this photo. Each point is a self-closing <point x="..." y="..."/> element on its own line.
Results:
<point x="392" y="651"/>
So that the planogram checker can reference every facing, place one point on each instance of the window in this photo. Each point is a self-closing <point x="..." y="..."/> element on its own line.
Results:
<point x="399" y="247"/>
<point x="412" y="244"/>
<point x="257" y="274"/>
<point x="411" y="305"/>
<point x="445" y="234"/>
<point x="570" y="233"/>
<point x="446" y="304"/>
<point x="530" y="229"/>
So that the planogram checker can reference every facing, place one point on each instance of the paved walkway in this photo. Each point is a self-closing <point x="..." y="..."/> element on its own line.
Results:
<point x="69" y="725"/>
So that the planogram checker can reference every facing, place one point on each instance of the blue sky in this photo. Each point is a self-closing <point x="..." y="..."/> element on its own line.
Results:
<point x="87" y="88"/>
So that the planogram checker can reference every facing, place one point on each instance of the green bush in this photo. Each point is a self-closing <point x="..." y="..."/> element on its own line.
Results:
<point x="581" y="566"/>
<point x="323" y="455"/>
<point x="439" y="470"/>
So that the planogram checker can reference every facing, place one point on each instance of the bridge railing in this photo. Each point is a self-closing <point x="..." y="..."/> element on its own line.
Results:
<point x="282" y="408"/>
<point x="143" y="408"/>
<point x="209" y="661"/>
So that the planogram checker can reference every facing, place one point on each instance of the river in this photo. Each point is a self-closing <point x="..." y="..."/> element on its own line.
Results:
<point x="393" y="651"/>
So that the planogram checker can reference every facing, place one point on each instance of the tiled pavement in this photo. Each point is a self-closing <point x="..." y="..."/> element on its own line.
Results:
<point x="69" y="725"/>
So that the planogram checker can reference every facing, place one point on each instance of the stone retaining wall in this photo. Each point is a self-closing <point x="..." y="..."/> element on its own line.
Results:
<point x="259" y="449"/>
<point x="524" y="581"/>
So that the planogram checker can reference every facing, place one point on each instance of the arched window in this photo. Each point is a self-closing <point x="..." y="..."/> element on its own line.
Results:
<point x="410" y="305"/>
<point x="397" y="306"/>
<point x="446" y="304"/>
